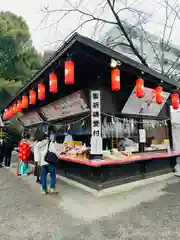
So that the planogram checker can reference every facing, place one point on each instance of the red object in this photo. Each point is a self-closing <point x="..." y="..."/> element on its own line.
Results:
<point x="19" y="106"/>
<point x="32" y="96"/>
<point x="10" y="112"/>
<point x="159" y="95"/>
<point x="14" y="109"/>
<point x="24" y="151"/>
<point x="140" y="88"/>
<point x="126" y="160"/>
<point x="41" y="91"/>
<point x="175" y="101"/>
<point x="115" y="80"/>
<point x="69" y="72"/>
<point x="53" y="83"/>
<point x="5" y="115"/>
<point x="24" y="101"/>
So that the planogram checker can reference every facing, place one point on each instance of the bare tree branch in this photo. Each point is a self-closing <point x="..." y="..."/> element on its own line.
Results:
<point x="125" y="37"/>
<point x="100" y="22"/>
<point x="173" y="65"/>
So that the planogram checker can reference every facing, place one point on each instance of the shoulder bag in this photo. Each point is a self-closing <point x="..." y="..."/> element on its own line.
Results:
<point x="50" y="157"/>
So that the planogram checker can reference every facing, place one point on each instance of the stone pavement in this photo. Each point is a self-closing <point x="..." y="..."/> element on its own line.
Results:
<point x="151" y="212"/>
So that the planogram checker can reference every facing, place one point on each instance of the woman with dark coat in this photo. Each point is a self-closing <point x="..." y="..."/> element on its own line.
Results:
<point x="8" y="148"/>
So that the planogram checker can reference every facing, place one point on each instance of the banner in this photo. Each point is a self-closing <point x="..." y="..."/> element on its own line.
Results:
<point x="68" y="106"/>
<point x="30" y="119"/>
<point x="146" y="106"/>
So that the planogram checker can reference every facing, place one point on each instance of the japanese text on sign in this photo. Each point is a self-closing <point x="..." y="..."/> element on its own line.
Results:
<point x="96" y="139"/>
<point x="95" y="114"/>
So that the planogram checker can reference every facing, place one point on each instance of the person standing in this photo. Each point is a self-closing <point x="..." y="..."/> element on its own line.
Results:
<point x="40" y="149"/>
<point x="8" y="148"/>
<point x="24" y="156"/>
<point x="37" y="169"/>
<point x="1" y="152"/>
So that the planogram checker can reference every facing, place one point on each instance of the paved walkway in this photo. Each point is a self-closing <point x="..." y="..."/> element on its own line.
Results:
<point x="151" y="212"/>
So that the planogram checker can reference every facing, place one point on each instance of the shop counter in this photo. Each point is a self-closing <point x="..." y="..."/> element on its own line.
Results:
<point x="126" y="160"/>
<point x="99" y="174"/>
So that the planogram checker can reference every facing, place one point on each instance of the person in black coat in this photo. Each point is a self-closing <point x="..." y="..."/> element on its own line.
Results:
<point x="1" y="153"/>
<point x="8" y="148"/>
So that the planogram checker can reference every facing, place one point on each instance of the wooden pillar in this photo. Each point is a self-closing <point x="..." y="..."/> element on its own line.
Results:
<point x="169" y="124"/>
<point x="141" y="128"/>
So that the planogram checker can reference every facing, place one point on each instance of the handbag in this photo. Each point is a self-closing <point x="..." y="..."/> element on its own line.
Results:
<point x="50" y="157"/>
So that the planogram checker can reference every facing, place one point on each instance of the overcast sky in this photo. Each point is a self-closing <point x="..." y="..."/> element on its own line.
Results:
<point x="43" y="36"/>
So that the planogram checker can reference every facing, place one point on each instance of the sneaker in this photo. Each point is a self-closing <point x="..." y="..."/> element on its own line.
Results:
<point x="53" y="190"/>
<point x="43" y="192"/>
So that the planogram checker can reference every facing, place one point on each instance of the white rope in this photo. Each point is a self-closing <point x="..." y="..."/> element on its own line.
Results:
<point x="112" y="116"/>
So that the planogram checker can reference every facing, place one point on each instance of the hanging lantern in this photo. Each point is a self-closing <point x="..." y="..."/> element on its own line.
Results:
<point x="140" y="88"/>
<point x="24" y="101"/>
<point x="53" y="83"/>
<point x="10" y="114"/>
<point x="115" y="79"/>
<point x="5" y="115"/>
<point x="14" y="109"/>
<point x="175" y="101"/>
<point x="69" y="72"/>
<point x="159" y="95"/>
<point x="19" y="106"/>
<point x="32" y="96"/>
<point x="41" y="91"/>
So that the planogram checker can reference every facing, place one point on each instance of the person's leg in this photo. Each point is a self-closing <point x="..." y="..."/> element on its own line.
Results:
<point x="53" y="177"/>
<point x="44" y="178"/>
<point x="24" y="169"/>
<point x="6" y="161"/>
<point x="9" y="161"/>
<point x="38" y="174"/>
<point x="1" y="159"/>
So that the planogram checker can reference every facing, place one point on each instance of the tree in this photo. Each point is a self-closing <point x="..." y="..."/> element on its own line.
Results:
<point x="109" y="13"/>
<point x="18" y="57"/>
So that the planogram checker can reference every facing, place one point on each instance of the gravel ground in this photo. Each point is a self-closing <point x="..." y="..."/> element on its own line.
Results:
<point x="24" y="214"/>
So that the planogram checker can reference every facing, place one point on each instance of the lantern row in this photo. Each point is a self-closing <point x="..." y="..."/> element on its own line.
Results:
<point x="69" y="80"/>
<point x="41" y="93"/>
<point x="140" y="93"/>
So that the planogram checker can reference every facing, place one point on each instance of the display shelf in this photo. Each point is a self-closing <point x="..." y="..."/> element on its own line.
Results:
<point x="98" y="162"/>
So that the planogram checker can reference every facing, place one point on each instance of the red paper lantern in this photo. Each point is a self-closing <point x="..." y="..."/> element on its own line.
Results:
<point x="53" y="83"/>
<point x="32" y="96"/>
<point x="41" y="91"/>
<point x="175" y="101"/>
<point x="5" y="115"/>
<point x="24" y="101"/>
<point x="115" y="80"/>
<point x="10" y="113"/>
<point x="19" y="106"/>
<point x="159" y="95"/>
<point x="69" y="72"/>
<point x="14" y="109"/>
<point x="140" y="88"/>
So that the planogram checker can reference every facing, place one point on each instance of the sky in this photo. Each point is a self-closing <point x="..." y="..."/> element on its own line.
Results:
<point x="45" y="37"/>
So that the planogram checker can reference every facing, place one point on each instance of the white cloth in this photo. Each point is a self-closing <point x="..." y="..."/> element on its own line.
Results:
<point x="68" y="138"/>
<point x="128" y="142"/>
<point x="41" y="148"/>
<point x="177" y="167"/>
